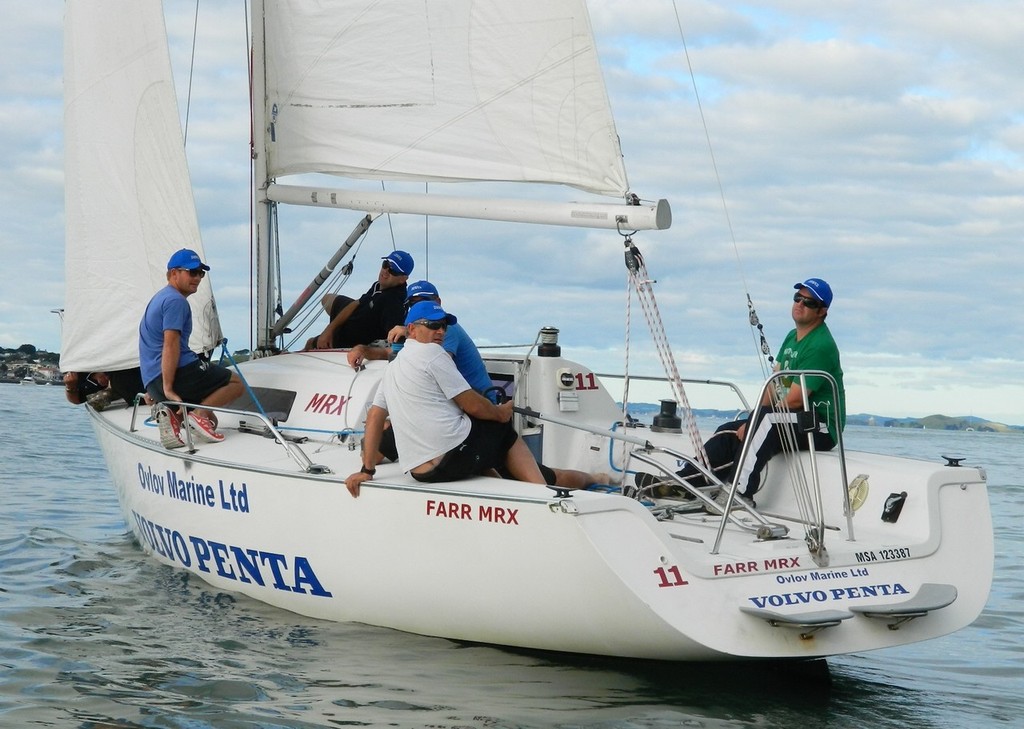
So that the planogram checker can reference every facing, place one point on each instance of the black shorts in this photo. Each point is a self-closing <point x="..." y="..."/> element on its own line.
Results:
<point x="126" y="383"/>
<point x="194" y="382"/>
<point x="387" y="446"/>
<point x="485" y="448"/>
<point x="550" y="478"/>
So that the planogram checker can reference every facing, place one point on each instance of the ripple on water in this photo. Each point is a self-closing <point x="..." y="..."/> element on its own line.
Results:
<point x="95" y="634"/>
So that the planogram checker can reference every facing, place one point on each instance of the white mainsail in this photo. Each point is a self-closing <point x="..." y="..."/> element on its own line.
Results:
<point x="441" y="90"/>
<point x="128" y="197"/>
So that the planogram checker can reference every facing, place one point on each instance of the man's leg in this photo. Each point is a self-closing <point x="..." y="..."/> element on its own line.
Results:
<point x="222" y="396"/>
<point x="521" y="464"/>
<point x="573" y="479"/>
<point x="765" y="442"/>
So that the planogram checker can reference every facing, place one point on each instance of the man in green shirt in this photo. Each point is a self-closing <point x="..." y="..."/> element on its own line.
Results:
<point x="809" y="346"/>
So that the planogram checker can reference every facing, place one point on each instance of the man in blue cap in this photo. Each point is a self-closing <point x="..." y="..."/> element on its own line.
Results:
<point x="172" y="371"/>
<point x="470" y="365"/>
<point x="444" y="429"/>
<point x="457" y="342"/>
<point x="370" y="317"/>
<point x="809" y="346"/>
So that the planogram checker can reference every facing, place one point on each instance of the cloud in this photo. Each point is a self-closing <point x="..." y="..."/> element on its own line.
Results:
<point x="875" y="144"/>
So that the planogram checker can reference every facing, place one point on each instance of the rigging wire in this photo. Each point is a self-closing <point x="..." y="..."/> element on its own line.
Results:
<point x="640" y="282"/>
<point x="191" y="73"/>
<point x="761" y="345"/>
<point x="805" y="497"/>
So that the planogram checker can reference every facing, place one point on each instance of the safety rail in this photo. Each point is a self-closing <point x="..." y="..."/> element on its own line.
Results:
<point x="293" y="450"/>
<point x="816" y="534"/>
<point x="686" y="381"/>
<point x="764" y="529"/>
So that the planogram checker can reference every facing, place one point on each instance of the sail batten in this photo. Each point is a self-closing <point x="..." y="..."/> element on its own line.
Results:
<point x="449" y="90"/>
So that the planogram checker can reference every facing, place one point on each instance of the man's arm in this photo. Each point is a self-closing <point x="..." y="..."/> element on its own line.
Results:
<point x="361" y="352"/>
<point x="71" y="391"/>
<point x="324" y="341"/>
<point x="169" y="362"/>
<point x="375" y="418"/>
<point x="478" y="406"/>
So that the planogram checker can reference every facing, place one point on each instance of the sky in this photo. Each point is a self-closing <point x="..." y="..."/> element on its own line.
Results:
<point x="877" y="145"/>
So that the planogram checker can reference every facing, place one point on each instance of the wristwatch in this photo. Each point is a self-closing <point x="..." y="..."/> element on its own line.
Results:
<point x="367" y="471"/>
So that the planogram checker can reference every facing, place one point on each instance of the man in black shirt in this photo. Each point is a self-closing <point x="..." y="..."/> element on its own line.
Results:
<point x="369" y="318"/>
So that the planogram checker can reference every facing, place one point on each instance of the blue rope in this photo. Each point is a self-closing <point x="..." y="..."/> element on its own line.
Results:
<point x="224" y="354"/>
<point x="611" y="449"/>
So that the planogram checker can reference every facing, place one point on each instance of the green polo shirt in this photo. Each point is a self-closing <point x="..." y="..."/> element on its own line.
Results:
<point x="817" y="351"/>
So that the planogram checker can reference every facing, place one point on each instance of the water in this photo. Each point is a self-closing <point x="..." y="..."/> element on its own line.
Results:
<point x="95" y="635"/>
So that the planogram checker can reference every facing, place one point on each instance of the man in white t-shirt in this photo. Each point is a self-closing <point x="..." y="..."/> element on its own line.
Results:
<point x="444" y="430"/>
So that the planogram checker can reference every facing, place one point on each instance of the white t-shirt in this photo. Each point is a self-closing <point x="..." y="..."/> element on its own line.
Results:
<point x="417" y="390"/>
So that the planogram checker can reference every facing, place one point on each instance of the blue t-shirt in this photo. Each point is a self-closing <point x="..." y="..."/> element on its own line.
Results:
<point x="467" y="358"/>
<point x="168" y="309"/>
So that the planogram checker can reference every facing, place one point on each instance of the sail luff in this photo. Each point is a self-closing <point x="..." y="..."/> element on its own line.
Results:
<point x="128" y="198"/>
<point x="262" y="207"/>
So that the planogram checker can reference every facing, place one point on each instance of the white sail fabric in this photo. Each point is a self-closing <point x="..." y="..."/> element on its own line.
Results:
<point x="440" y="90"/>
<point x="128" y="198"/>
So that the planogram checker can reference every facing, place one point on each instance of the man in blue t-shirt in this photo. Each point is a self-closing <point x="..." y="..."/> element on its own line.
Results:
<point x="172" y="371"/>
<point x="457" y="343"/>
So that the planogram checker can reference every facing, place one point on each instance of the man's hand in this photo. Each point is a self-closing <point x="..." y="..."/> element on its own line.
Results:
<point x="356" y="356"/>
<point x="352" y="482"/>
<point x="397" y="333"/>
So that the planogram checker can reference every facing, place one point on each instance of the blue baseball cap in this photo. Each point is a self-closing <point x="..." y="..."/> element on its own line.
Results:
<point x="400" y="261"/>
<point x="819" y="289"/>
<point x="186" y="258"/>
<point x="421" y="288"/>
<point x="428" y="310"/>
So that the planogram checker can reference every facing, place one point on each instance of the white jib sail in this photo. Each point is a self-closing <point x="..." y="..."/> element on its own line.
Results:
<point x="128" y="197"/>
<point x="441" y="90"/>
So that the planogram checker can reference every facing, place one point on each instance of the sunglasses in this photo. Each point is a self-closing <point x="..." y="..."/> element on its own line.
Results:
<point x="807" y="301"/>
<point x="432" y="325"/>
<point x="390" y="269"/>
<point x="200" y="272"/>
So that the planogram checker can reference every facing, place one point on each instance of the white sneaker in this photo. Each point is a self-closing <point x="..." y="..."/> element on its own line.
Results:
<point x="169" y="424"/>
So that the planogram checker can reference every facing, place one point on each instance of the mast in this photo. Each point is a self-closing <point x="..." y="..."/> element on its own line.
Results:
<point x="262" y="206"/>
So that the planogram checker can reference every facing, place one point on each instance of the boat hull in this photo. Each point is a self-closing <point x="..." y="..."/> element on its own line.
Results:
<point x="516" y="564"/>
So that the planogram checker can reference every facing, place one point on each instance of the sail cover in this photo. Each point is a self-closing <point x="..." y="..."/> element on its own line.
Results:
<point x="128" y="199"/>
<point x="439" y="90"/>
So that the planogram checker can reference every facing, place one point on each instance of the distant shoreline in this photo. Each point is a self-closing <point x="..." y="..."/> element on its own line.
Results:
<point x="965" y="423"/>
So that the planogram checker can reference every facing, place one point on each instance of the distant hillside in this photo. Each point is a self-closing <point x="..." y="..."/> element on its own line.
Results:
<point x="646" y="411"/>
<point x="936" y="422"/>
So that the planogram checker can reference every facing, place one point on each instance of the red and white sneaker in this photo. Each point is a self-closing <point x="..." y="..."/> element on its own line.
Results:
<point x="168" y="423"/>
<point x="203" y="429"/>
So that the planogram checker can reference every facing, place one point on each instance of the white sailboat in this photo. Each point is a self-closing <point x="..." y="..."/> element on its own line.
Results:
<point x="824" y="565"/>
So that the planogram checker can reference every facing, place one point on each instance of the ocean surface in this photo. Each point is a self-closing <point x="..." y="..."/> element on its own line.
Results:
<point x="95" y="635"/>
